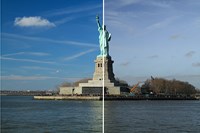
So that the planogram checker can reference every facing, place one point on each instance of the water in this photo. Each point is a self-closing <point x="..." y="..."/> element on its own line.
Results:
<point x="152" y="117"/>
<point x="25" y="115"/>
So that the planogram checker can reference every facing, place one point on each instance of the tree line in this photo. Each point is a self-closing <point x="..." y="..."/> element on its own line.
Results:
<point x="155" y="85"/>
<point x="168" y="87"/>
<point x="71" y="84"/>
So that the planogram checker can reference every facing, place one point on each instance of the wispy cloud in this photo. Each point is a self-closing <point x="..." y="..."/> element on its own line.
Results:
<point x="19" y="77"/>
<point x="160" y="4"/>
<point x="175" y="36"/>
<point x="35" y="21"/>
<point x="37" y="77"/>
<point x="37" y="68"/>
<point x="190" y="54"/>
<point x="196" y="64"/>
<point x="197" y="22"/>
<point x="79" y="54"/>
<point x="64" y="20"/>
<point x="120" y="3"/>
<point x="125" y="63"/>
<point x="27" y="53"/>
<point x="153" y="56"/>
<point x="67" y="11"/>
<point x="162" y="23"/>
<point x="39" y="39"/>
<point x="53" y="71"/>
<point x="64" y="15"/>
<point x="124" y="17"/>
<point x="125" y="3"/>
<point x="27" y="60"/>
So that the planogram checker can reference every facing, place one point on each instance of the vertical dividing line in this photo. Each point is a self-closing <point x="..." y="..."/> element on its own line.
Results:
<point x="103" y="75"/>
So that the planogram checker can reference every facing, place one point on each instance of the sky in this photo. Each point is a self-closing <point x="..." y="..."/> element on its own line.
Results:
<point x="159" y="38"/>
<point x="45" y="43"/>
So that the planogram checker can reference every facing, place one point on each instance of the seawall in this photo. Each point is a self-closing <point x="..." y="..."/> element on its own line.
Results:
<point x="109" y="98"/>
<point x="66" y="97"/>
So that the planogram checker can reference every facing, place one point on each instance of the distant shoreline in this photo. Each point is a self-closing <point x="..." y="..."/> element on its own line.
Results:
<point x="25" y="93"/>
<point x="52" y="95"/>
<point x="110" y="98"/>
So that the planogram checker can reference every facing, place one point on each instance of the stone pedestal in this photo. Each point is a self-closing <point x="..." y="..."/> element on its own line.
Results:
<point x="111" y="86"/>
<point x="95" y="86"/>
<point x="108" y="69"/>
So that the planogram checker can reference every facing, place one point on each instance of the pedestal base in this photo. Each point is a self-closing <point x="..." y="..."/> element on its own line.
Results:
<point x="95" y="86"/>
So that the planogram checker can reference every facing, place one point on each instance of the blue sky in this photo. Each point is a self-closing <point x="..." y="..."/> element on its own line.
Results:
<point x="45" y="43"/>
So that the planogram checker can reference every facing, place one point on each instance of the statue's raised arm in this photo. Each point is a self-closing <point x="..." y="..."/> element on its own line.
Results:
<point x="98" y="23"/>
<point x="104" y="38"/>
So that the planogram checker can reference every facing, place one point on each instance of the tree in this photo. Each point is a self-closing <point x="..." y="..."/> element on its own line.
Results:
<point x="66" y="84"/>
<point x="85" y="80"/>
<point x="168" y="87"/>
<point x="121" y="82"/>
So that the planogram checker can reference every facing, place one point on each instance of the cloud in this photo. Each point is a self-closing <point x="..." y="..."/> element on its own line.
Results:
<point x="122" y="17"/>
<point x="160" y="4"/>
<point x="189" y="54"/>
<point x="153" y="56"/>
<point x="36" y="21"/>
<point x="19" y="77"/>
<point x="196" y="64"/>
<point x="67" y="42"/>
<point x="68" y="11"/>
<point x="71" y="13"/>
<point x="162" y="23"/>
<point x="154" y="3"/>
<point x="197" y="22"/>
<point x="127" y="2"/>
<point x="79" y="54"/>
<point x="27" y="60"/>
<point x="27" y="53"/>
<point x="174" y="37"/>
<point x="125" y="63"/>
<point x="37" y="77"/>
<point x="38" y="53"/>
<point x="37" y="68"/>
<point x="64" y="20"/>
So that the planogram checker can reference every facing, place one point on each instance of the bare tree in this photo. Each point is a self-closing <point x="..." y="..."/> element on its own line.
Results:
<point x="66" y="84"/>
<point x="169" y="87"/>
<point x="85" y="80"/>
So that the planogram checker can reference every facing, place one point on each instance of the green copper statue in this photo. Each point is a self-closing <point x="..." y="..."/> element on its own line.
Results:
<point x="104" y="38"/>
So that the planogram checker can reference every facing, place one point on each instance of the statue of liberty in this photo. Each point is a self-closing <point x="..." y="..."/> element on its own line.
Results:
<point x="104" y="38"/>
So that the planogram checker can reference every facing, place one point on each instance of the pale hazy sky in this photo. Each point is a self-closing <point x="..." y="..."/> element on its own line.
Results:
<point x="155" y="37"/>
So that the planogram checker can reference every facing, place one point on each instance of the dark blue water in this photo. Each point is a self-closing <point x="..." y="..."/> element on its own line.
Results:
<point x="25" y="115"/>
<point x="152" y="117"/>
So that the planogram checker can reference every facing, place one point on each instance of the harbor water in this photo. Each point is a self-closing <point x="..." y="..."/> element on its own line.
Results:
<point x="22" y="114"/>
